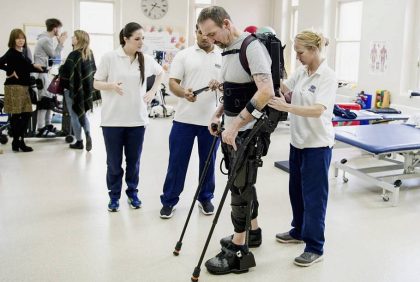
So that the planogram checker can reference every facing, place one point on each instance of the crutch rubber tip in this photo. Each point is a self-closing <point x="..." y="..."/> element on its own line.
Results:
<point x="177" y="248"/>
<point x="196" y="274"/>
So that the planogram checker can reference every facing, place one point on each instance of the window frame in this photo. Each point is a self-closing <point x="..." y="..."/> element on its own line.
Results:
<point x="116" y="16"/>
<point x="340" y="40"/>
<point x="193" y="16"/>
<point x="294" y="22"/>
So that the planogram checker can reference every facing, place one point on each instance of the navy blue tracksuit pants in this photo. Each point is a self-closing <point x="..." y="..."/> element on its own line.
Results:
<point x="117" y="140"/>
<point x="308" y="190"/>
<point x="181" y="141"/>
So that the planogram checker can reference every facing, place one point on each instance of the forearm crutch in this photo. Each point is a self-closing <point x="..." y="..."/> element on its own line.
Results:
<point x="197" y="192"/>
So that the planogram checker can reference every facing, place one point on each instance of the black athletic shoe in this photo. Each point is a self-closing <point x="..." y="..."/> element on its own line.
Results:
<point x="206" y="208"/>
<point x="78" y="145"/>
<point x="254" y="240"/>
<point x="232" y="258"/>
<point x="167" y="212"/>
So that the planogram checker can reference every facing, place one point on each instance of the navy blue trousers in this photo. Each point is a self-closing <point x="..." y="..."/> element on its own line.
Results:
<point x="117" y="140"/>
<point x="308" y="190"/>
<point x="181" y="141"/>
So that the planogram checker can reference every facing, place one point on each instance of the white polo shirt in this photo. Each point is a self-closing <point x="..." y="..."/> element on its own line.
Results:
<point x="195" y="68"/>
<point x="319" y="88"/>
<point x="129" y="109"/>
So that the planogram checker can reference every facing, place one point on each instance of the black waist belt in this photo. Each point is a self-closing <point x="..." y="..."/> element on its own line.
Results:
<point x="236" y="95"/>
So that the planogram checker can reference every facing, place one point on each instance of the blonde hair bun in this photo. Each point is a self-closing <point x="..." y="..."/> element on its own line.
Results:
<point x="311" y="39"/>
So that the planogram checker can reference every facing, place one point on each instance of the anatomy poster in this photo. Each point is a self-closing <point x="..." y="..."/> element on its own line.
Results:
<point x="379" y="57"/>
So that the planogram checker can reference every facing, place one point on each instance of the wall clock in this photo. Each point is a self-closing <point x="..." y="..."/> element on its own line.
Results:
<point x="154" y="9"/>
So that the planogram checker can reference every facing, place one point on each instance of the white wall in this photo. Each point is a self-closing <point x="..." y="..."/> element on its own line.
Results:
<point x="311" y="15"/>
<point x="416" y="73"/>
<point x="248" y="12"/>
<point x="318" y="15"/>
<point x="396" y="22"/>
<point x="16" y="13"/>
<point x="64" y="10"/>
<point x="176" y="17"/>
<point x="382" y="20"/>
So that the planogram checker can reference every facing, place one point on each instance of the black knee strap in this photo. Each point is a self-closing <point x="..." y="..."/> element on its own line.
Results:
<point x="239" y="212"/>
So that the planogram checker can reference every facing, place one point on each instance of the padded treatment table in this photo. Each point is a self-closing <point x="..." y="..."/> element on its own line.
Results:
<point x="362" y="115"/>
<point x="384" y="142"/>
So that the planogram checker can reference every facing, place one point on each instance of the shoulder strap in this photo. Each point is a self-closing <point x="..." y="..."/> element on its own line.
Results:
<point x="233" y="51"/>
<point x="242" y="54"/>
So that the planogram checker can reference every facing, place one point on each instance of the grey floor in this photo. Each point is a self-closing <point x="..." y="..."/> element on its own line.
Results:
<point x="54" y="225"/>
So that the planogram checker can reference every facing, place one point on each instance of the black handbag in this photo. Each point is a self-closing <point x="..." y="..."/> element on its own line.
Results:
<point x="33" y="95"/>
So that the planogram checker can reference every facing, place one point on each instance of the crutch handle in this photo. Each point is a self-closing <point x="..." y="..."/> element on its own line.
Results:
<point x="196" y="92"/>
<point x="216" y="128"/>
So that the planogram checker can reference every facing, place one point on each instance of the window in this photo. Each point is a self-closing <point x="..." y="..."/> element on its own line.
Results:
<point x="195" y="8"/>
<point x="200" y="5"/>
<point x="349" y="22"/>
<point x="97" y="19"/>
<point x="197" y="12"/>
<point x="208" y="2"/>
<point x="293" y="31"/>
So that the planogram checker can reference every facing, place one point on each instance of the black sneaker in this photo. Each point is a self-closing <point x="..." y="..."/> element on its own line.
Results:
<point x="286" y="238"/>
<point x="254" y="240"/>
<point x="78" y="145"/>
<point x="206" y="208"/>
<point x="167" y="212"/>
<point x="51" y="128"/>
<point x="308" y="259"/>
<point x="45" y="133"/>
<point x="232" y="258"/>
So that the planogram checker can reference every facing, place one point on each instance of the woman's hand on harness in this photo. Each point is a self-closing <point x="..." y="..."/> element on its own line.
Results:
<point x="229" y="136"/>
<point x="278" y="103"/>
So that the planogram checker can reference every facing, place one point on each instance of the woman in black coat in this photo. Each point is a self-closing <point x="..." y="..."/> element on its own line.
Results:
<point x="17" y="102"/>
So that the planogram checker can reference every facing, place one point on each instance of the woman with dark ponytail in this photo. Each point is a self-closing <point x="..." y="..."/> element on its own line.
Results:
<point x="121" y="77"/>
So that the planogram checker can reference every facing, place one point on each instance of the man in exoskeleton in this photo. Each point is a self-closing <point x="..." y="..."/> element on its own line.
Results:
<point x="245" y="96"/>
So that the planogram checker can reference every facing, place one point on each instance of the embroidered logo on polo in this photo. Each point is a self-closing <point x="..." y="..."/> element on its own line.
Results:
<point x="312" y="88"/>
<point x="218" y="66"/>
